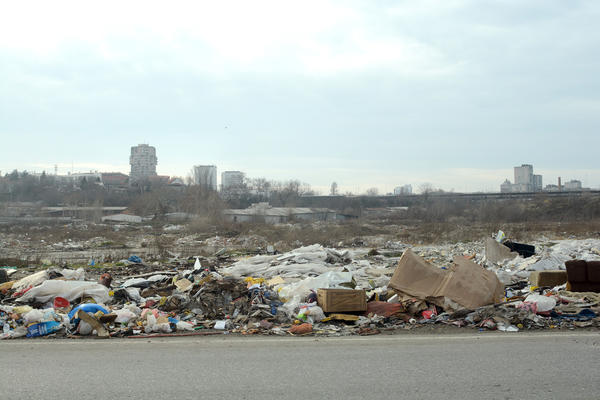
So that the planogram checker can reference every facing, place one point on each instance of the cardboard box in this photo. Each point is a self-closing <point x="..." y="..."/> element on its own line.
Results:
<point x="341" y="300"/>
<point x="465" y="283"/>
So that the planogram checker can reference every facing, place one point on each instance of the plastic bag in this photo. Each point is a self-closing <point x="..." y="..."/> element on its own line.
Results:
<point x="184" y="326"/>
<point x="290" y="306"/>
<point x="33" y="317"/>
<point x="150" y="323"/>
<point x="543" y="303"/>
<point x="163" y="328"/>
<point x="124" y="316"/>
<point x="74" y="274"/>
<point x="18" y="332"/>
<point x="134" y="294"/>
<point x="135" y="259"/>
<point x="314" y="314"/>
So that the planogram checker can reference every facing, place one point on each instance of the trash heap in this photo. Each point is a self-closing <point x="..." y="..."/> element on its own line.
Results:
<point x="314" y="290"/>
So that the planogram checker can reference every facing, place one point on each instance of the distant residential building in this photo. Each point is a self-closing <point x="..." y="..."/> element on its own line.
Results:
<point x="143" y="162"/>
<point x="403" y="190"/>
<point x="573" y="185"/>
<point x="114" y="179"/>
<point x="206" y="176"/>
<point x="537" y="183"/>
<point x="552" y="188"/>
<point x="232" y="180"/>
<point x="93" y="177"/>
<point x="159" y="179"/>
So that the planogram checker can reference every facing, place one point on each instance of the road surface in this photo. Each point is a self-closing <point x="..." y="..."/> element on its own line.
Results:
<point x="467" y="366"/>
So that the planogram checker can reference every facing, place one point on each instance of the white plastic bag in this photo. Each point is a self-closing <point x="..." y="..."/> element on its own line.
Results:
<point x="74" y="274"/>
<point x="314" y="314"/>
<point x="184" y="326"/>
<point x="150" y="323"/>
<point x="543" y="303"/>
<point x="124" y="316"/>
<point x="33" y="317"/>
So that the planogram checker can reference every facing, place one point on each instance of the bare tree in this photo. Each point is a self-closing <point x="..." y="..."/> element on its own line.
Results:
<point x="426" y="188"/>
<point x="260" y="186"/>
<point x="189" y="179"/>
<point x="372" y="191"/>
<point x="205" y="176"/>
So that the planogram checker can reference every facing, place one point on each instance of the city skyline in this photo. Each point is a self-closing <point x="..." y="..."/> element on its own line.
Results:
<point x="365" y="94"/>
<point x="216" y="178"/>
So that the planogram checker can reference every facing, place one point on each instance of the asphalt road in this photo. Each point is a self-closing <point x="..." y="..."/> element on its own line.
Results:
<point x="470" y="366"/>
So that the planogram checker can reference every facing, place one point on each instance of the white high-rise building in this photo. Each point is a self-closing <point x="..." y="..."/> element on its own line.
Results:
<point x="143" y="162"/>
<point x="206" y="175"/>
<point x="231" y="180"/>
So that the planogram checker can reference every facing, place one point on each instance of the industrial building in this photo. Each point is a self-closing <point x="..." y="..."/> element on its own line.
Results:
<point x="263" y="212"/>
<point x="524" y="177"/>
<point x="573" y="186"/>
<point x="206" y="176"/>
<point x="525" y="181"/>
<point x="537" y="183"/>
<point x="143" y="162"/>
<point x="232" y="180"/>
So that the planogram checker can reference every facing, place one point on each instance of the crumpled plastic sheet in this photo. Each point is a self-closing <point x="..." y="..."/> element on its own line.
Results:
<point x="306" y="261"/>
<point x="31" y="280"/>
<point x="296" y="292"/>
<point x="70" y="290"/>
<point x="331" y="279"/>
<point x="283" y="270"/>
<point x="550" y="257"/>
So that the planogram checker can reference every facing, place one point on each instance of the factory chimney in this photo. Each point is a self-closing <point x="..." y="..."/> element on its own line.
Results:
<point x="559" y="185"/>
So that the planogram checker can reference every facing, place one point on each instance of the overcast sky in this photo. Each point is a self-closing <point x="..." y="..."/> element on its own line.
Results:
<point x="364" y="93"/>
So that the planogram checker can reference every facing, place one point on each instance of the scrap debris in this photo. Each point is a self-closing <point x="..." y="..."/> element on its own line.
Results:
<point x="492" y="285"/>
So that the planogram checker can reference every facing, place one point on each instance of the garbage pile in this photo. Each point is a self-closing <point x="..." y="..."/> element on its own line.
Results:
<point x="313" y="290"/>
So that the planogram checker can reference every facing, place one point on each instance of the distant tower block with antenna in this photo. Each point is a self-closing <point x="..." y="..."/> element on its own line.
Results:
<point x="55" y="169"/>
